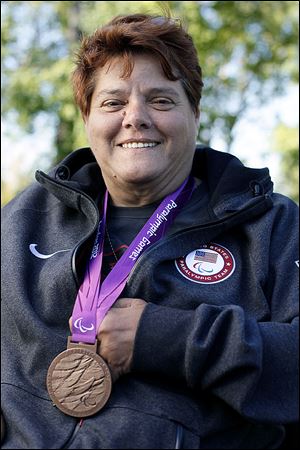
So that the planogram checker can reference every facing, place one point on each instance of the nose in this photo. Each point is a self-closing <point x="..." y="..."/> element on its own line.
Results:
<point x="136" y="116"/>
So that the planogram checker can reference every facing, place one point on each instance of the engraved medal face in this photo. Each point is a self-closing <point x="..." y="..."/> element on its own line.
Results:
<point x="79" y="382"/>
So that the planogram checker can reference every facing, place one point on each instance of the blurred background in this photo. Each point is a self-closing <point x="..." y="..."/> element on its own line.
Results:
<point x="248" y="51"/>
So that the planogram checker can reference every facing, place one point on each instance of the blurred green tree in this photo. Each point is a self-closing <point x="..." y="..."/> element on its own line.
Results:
<point x="286" y="144"/>
<point x="247" y="50"/>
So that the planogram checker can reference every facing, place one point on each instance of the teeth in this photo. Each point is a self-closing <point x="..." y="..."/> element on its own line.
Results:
<point x="139" y="144"/>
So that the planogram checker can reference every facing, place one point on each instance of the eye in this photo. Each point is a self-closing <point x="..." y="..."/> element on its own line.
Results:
<point x="162" y="103"/>
<point x="112" y="105"/>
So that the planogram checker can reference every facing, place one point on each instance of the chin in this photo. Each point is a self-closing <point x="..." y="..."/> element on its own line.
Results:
<point x="139" y="181"/>
<point x="139" y="173"/>
<point x="138" y="177"/>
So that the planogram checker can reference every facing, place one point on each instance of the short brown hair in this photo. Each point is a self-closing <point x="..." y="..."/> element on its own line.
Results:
<point x="129" y="35"/>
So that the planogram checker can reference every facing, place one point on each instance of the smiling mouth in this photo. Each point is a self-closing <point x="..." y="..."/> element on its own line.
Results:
<point x="139" y="144"/>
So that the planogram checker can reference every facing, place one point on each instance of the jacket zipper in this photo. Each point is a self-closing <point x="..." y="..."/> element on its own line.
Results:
<point x="73" y="264"/>
<point x="74" y="434"/>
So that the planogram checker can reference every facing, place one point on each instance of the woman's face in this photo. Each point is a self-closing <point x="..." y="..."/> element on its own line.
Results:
<point x="142" y="130"/>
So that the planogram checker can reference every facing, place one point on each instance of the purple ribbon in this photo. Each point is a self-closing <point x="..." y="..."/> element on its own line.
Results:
<point x="94" y="299"/>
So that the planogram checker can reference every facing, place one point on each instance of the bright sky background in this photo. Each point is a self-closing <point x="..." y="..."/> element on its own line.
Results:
<point x="252" y="140"/>
<point x="253" y="135"/>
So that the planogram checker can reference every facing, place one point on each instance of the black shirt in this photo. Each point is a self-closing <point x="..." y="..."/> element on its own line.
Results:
<point x="124" y="223"/>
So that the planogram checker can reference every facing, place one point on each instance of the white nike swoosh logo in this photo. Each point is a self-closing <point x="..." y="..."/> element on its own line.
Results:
<point x="41" y="255"/>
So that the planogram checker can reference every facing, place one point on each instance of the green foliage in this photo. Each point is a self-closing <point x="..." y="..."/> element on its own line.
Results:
<point x="247" y="50"/>
<point x="286" y="144"/>
<point x="10" y="190"/>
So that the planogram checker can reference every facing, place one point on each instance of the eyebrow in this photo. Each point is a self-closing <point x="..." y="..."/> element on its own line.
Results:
<point x="151" y="91"/>
<point x="163" y="90"/>
<point x="109" y="92"/>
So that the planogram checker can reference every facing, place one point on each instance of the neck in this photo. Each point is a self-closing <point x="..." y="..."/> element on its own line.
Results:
<point x="136" y="195"/>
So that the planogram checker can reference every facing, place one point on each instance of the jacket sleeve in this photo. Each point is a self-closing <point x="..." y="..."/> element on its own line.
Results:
<point x="251" y="365"/>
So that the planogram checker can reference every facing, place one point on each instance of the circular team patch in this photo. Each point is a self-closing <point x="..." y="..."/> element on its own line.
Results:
<point x="209" y="264"/>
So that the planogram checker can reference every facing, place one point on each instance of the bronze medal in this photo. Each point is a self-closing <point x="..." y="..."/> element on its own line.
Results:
<point x="79" y="381"/>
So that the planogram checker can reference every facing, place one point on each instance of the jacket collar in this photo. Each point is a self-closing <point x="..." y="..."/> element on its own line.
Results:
<point x="230" y="184"/>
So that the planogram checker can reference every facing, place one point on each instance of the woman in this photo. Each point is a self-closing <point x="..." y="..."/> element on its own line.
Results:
<point x="189" y="335"/>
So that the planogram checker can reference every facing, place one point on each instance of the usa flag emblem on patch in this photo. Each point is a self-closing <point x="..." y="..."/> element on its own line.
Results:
<point x="201" y="255"/>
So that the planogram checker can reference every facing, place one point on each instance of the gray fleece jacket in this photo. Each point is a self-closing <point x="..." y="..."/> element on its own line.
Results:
<point x="215" y="360"/>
